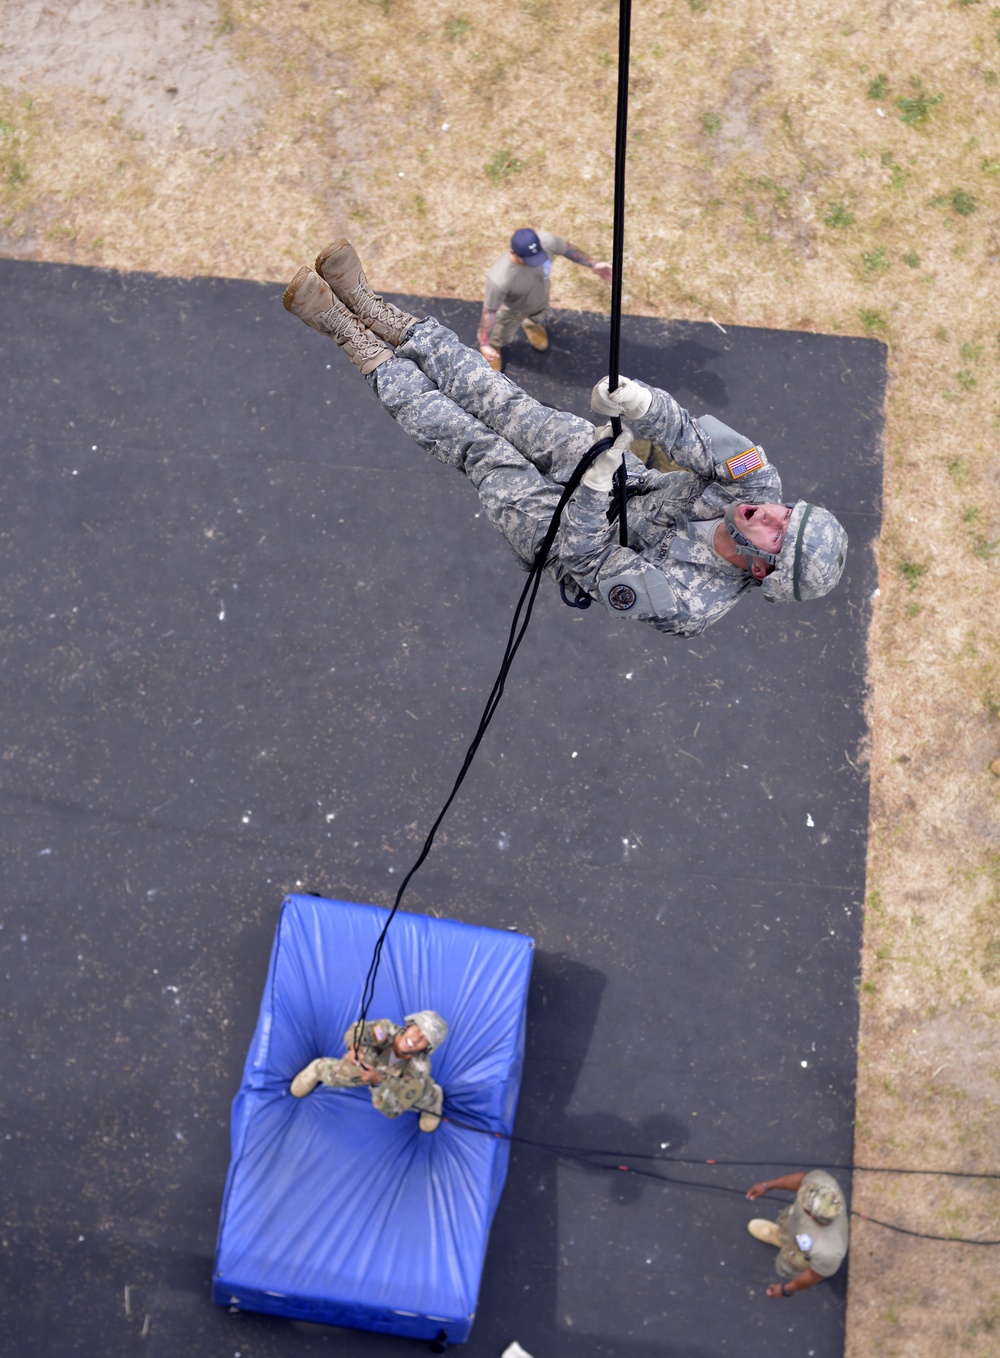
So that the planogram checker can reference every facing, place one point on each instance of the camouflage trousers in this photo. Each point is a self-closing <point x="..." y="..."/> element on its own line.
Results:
<point x="508" y="322"/>
<point x="790" y="1261"/>
<point x="517" y="452"/>
<point x="402" y="1089"/>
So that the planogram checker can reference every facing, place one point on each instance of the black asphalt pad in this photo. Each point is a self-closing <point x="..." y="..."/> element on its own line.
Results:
<point x="248" y="629"/>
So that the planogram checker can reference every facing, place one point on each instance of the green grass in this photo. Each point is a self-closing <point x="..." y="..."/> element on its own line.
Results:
<point x="838" y="214"/>
<point x="876" y="261"/>
<point x="915" y="109"/>
<point x="912" y="572"/>
<point x="897" y="175"/>
<point x="963" y="203"/>
<point x="502" y="166"/>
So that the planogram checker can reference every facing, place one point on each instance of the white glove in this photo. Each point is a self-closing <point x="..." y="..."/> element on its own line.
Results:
<point x="601" y="472"/>
<point x="628" y="399"/>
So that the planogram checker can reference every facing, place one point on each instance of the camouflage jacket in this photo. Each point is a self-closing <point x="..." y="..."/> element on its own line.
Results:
<point x="376" y="1051"/>
<point x="668" y="575"/>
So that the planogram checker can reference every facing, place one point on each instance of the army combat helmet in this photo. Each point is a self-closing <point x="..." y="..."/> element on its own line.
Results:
<point x="431" y="1024"/>
<point x="823" y="1202"/>
<point x="811" y="560"/>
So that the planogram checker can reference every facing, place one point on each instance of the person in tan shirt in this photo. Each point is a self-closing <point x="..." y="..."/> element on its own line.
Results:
<point x="517" y="290"/>
<point x="811" y="1235"/>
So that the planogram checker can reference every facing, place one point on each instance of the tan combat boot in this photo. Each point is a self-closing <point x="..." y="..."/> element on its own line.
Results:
<point x="765" y="1230"/>
<point x="340" y="266"/>
<point x="536" y="335"/>
<point x="309" y="298"/>
<point x="306" y="1080"/>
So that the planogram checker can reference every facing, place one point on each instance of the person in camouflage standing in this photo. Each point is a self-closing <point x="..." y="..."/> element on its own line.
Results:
<point x="699" y="538"/>
<point x="811" y="1235"/>
<point x="393" y="1060"/>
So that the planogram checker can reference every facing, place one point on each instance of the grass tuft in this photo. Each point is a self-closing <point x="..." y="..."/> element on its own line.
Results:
<point x="873" y="322"/>
<point x="502" y="166"/>
<point x="912" y="572"/>
<point x="915" y="109"/>
<point x="963" y="203"/>
<point x="876" y="261"/>
<point x="838" y="214"/>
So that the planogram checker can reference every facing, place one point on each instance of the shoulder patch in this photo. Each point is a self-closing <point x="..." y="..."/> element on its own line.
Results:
<point x="749" y="461"/>
<point x="622" y="597"/>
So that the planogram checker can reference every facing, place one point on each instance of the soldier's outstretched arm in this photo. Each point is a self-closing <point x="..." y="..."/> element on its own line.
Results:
<point x="704" y="446"/>
<point x="655" y="415"/>
<point x="790" y="1183"/>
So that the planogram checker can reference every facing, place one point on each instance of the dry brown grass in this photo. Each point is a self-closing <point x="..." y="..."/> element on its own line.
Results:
<point x="776" y="180"/>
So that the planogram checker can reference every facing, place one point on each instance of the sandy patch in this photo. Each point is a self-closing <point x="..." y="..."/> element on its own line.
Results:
<point x="166" y="68"/>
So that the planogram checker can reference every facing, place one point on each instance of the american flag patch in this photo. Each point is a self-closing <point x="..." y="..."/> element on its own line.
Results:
<point x="750" y="461"/>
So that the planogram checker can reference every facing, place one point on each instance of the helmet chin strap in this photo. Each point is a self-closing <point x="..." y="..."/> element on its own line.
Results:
<point x="744" y="544"/>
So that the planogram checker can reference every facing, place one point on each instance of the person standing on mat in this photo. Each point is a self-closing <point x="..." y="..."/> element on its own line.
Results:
<point x="698" y="538"/>
<point x="393" y="1059"/>
<point x="811" y="1235"/>
<point x="517" y="291"/>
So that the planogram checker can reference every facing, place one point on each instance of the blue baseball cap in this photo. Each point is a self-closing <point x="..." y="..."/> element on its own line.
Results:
<point x="528" y="247"/>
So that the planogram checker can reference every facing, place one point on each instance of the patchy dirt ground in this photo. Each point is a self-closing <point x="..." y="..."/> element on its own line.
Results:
<point x="156" y="68"/>
<point x="828" y="166"/>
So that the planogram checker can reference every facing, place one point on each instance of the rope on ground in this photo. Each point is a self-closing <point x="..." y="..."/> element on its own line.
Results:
<point x="584" y="1158"/>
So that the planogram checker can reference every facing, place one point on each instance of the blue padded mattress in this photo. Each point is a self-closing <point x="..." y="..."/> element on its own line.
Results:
<point x="332" y="1212"/>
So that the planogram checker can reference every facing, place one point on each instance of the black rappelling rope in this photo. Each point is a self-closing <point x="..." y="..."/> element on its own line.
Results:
<point x="583" y="1156"/>
<point x="527" y="599"/>
<point x="515" y="636"/>
<point x="618" y="249"/>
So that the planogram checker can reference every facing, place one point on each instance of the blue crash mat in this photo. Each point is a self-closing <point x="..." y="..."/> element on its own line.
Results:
<point x="332" y="1212"/>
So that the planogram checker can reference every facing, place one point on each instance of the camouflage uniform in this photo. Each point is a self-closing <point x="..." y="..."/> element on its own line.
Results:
<point x="406" y="1081"/>
<point x="518" y="454"/>
<point x="827" y="1243"/>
